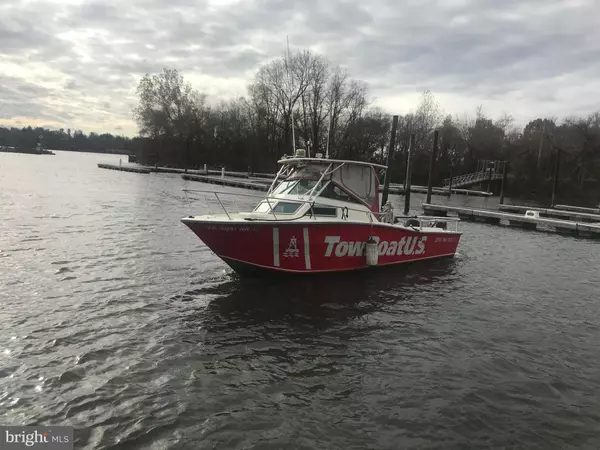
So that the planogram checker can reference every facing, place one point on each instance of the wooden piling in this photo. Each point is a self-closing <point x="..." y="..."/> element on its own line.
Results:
<point x="386" y="183"/>
<point x="432" y="165"/>
<point x="504" y="172"/>
<point x="556" y="174"/>
<point x="408" y="174"/>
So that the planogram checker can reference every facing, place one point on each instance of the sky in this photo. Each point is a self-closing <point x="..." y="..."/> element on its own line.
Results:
<point x="76" y="63"/>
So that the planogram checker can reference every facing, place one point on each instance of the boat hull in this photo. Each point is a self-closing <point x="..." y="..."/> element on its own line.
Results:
<point x="317" y="247"/>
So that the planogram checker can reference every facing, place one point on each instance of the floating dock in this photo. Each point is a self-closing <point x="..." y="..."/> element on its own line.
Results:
<point x="399" y="189"/>
<point x="148" y="169"/>
<point x="124" y="168"/>
<point x="550" y="212"/>
<point x="223" y="181"/>
<point x="268" y="178"/>
<point x="517" y="220"/>
<point x="580" y="209"/>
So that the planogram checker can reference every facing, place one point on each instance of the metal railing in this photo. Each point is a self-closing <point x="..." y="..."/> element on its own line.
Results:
<point x="470" y="178"/>
<point x="269" y="199"/>
<point x="312" y="203"/>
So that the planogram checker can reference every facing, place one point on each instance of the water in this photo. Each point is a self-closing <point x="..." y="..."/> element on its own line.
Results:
<point x="117" y="320"/>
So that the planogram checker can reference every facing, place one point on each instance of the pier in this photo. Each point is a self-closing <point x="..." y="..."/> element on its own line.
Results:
<point x="254" y="178"/>
<point x="124" y="168"/>
<point x="225" y="181"/>
<point x="516" y="220"/>
<point x="580" y="209"/>
<point x="158" y="169"/>
<point x="553" y="213"/>
<point x="398" y="189"/>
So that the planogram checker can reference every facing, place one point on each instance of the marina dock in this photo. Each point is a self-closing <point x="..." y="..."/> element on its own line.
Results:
<point x="517" y="220"/>
<point x="124" y="168"/>
<point x="553" y="213"/>
<point x="398" y="189"/>
<point x="225" y="181"/>
<point x="148" y="169"/>
<point x="257" y="178"/>
<point x="580" y="209"/>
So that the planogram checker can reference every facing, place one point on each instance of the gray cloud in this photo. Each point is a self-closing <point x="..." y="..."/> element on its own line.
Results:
<point x="517" y="52"/>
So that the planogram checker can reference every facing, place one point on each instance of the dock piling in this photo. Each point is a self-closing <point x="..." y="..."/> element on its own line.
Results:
<point x="408" y="173"/>
<point x="504" y="172"/>
<point x="556" y="174"/>
<point x="386" y="183"/>
<point x="432" y="165"/>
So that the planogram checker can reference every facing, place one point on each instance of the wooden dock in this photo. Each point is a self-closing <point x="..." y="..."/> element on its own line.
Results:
<point x="158" y="169"/>
<point x="398" y="189"/>
<point x="550" y="212"/>
<point x="124" y="168"/>
<point x="226" y="181"/>
<point x="518" y="220"/>
<point x="580" y="209"/>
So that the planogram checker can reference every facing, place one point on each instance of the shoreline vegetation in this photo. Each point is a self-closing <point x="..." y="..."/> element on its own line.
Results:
<point x="329" y="109"/>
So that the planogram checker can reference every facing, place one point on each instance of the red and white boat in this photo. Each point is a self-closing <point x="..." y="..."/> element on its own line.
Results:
<point x="322" y="215"/>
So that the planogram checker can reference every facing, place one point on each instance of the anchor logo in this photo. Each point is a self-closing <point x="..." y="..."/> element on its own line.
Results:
<point x="292" y="250"/>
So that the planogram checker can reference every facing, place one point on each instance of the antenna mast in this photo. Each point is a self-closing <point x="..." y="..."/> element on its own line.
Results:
<point x="290" y="93"/>
<point x="328" y="132"/>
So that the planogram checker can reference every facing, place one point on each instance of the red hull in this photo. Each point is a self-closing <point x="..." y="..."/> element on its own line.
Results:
<point x="304" y="247"/>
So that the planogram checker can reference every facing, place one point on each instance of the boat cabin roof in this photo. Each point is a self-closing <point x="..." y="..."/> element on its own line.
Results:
<point x="358" y="179"/>
<point x="326" y="161"/>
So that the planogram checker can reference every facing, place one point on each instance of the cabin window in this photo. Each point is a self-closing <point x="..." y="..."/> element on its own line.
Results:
<point x="336" y="193"/>
<point x="278" y="207"/>
<point x="284" y="187"/>
<point x="286" y="207"/>
<point x="328" y="211"/>
<point x="263" y="207"/>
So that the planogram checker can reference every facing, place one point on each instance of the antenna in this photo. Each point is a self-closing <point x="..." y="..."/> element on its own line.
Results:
<point x="328" y="131"/>
<point x="290" y="93"/>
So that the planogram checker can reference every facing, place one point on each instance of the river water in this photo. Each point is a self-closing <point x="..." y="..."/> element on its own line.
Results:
<point x="115" y="319"/>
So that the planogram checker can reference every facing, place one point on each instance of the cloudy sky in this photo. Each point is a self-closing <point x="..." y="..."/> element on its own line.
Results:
<point x="76" y="63"/>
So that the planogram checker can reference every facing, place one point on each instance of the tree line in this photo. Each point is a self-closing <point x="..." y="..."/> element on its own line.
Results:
<point x="331" y="112"/>
<point x="76" y="140"/>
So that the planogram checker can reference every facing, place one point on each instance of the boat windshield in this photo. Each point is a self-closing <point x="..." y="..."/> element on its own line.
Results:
<point x="334" y="192"/>
<point x="294" y="187"/>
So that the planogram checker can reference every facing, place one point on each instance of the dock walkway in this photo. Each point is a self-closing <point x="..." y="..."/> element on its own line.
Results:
<point x="267" y="178"/>
<point x="578" y="209"/>
<point x="227" y="181"/>
<point x="518" y="220"/>
<point x="399" y="189"/>
<point x="550" y="212"/>
<point x="124" y="168"/>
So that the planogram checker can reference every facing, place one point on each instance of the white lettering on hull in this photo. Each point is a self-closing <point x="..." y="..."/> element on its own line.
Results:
<point x="412" y="245"/>
<point x="306" y="249"/>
